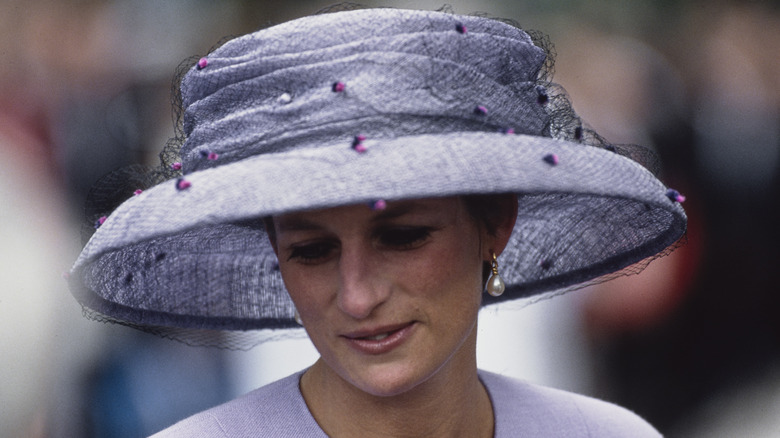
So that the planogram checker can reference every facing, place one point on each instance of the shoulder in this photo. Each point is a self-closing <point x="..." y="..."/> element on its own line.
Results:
<point x="277" y="409"/>
<point x="525" y="409"/>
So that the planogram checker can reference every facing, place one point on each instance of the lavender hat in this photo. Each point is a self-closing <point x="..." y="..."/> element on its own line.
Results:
<point x="357" y="107"/>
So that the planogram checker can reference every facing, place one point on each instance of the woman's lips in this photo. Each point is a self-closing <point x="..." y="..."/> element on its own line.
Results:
<point x="381" y="340"/>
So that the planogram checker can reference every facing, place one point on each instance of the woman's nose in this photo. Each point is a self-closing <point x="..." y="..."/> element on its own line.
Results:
<point x="362" y="288"/>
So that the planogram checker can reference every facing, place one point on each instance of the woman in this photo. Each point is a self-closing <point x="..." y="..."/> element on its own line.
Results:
<point x="365" y="173"/>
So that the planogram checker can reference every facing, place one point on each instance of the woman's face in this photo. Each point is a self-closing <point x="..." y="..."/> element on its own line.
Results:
<point x="389" y="298"/>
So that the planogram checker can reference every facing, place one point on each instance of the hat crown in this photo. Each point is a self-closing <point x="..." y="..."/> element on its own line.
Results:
<point x="385" y="73"/>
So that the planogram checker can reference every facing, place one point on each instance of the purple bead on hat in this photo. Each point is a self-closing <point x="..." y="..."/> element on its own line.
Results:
<point x="675" y="196"/>
<point x="378" y="205"/>
<point x="338" y="87"/>
<point x="357" y="143"/>
<point x="182" y="184"/>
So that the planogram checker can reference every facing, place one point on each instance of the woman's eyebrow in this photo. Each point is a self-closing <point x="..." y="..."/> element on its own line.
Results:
<point x="296" y="224"/>
<point x="401" y="209"/>
<point x="393" y="211"/>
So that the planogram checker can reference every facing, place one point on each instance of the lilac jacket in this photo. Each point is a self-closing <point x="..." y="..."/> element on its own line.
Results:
<point x="521" y="410"/>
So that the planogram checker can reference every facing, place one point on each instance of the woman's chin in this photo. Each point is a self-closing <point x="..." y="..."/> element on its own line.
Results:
<point x="386" y="379"/>
<point x="388" y="382"/>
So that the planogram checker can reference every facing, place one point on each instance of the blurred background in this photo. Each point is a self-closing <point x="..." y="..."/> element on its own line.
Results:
<point x="692" y="344"/>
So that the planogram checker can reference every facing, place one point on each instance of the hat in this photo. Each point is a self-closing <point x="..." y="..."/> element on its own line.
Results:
<point x="357" y="107"/>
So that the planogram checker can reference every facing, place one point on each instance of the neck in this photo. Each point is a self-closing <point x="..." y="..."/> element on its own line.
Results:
<point x="452" y="402"/>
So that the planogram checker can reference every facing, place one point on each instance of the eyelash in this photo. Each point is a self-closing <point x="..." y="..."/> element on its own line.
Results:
<point x="311" y="252"/>
<point x="404" y="237"/>
<point x="400" y="239"/>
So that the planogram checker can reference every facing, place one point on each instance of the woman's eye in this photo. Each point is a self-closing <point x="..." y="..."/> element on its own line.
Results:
<point x="311" y="252"/>
<point x="404" y="238"/>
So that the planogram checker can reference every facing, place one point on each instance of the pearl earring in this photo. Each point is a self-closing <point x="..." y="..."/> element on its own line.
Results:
<point x="495" y="284"/>
<point x="297" y="317"/>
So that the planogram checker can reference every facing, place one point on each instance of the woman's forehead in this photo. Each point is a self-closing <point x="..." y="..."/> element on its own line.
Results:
<point x="361" y="212"/>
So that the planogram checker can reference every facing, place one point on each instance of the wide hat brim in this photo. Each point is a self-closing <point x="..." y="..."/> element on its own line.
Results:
<point x="187" y="258"/>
